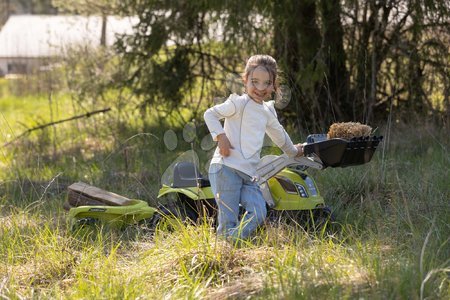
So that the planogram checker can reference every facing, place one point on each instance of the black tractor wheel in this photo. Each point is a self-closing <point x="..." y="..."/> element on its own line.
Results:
<point x="321" y="220"/>
<point x="170" y="216"/>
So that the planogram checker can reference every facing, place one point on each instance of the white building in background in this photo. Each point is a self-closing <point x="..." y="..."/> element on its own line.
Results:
<point x="27" y="42"/>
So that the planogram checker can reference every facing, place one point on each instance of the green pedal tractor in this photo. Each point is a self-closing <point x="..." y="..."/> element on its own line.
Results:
<point x="290" y="192"/>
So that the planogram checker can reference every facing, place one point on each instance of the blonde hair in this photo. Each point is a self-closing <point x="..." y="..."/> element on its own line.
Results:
<point x="262" y="60"/>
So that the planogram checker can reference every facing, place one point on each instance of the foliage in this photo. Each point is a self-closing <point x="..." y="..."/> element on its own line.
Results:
<point x="172" y="52"/>
<point x="343" y="60"/>
<point x="85" y="6"/>
<point x="28" y="7"/>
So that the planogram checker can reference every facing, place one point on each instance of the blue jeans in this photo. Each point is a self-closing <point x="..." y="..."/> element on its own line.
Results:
<point x="231" y="188"/>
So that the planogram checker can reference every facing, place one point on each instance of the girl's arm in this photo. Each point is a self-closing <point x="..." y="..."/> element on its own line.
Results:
<point x="212" y="118"/>
<point x="280" y="137"/>
<point x="224" y="144"/>
<point x="216" y="113"/>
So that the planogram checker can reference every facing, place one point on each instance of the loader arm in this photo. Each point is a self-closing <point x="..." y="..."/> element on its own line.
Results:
<point x="320" y="154"/>
<point x="273" y="164"/>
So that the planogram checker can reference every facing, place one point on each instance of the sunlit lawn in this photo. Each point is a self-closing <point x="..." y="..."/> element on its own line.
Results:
<point x="393" y="215"/>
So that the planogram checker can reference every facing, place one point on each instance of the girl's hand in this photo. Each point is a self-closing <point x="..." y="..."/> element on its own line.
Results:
<point x="224" y="145"/>
<point x="300" y="149"/>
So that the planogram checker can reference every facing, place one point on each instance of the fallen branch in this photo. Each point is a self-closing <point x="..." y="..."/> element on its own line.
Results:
<point x="28" y="131"/>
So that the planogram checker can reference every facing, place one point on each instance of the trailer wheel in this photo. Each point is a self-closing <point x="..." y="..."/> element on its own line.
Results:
<point x="85" y="228"/>
<point x="85" y="222"/>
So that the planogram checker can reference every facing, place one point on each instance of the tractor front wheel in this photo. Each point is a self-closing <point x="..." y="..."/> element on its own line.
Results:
<point x="321" y="220"/>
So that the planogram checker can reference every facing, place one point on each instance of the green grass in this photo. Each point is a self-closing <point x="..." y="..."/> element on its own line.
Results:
<point x="21" y="113"/>
<point x="393" y="241"/>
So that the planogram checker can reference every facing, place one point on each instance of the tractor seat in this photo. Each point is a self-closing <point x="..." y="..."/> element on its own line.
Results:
<point x="186" y="174"/>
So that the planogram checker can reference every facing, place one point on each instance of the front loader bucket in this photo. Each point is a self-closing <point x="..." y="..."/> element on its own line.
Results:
<point x="343" y="153"/>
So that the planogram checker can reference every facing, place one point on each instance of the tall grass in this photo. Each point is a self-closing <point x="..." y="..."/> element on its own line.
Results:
<point x="392" y="242"/>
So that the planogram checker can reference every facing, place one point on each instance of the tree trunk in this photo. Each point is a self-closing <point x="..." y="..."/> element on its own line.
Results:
<point x="363" y="62"/>
<point x="337" y="84"/>
<point x="4" y="12"/>
<point x="298" y="44"/>
<point x="416" y="101"/>
<point x="103" y="34"/>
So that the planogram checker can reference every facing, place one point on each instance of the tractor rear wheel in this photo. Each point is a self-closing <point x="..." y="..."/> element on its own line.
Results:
<point x="171" y="215"/>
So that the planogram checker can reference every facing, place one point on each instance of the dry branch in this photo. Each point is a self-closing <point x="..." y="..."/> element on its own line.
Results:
<point x="28" y="131"/>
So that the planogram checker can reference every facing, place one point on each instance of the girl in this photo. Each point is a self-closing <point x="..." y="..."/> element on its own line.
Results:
<point x="233" y="167"/>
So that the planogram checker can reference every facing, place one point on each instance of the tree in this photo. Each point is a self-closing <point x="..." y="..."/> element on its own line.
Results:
<point x="89" y="7"/>
<point x="343" y="60"/>
<point x="337" y="81"/>
<point x="298" y="47"/>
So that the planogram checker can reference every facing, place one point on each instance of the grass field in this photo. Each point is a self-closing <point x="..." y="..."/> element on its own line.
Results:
<point x="393" y="215"/>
